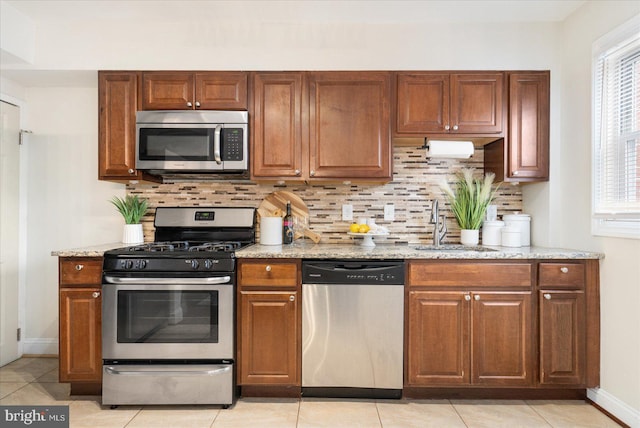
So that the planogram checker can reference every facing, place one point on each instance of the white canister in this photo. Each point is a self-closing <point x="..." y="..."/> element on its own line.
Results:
<point x="522" y="222"/>
<point x="511" y="236"/>
<point x="271" y="230"/>
<point x="491" y="232"/>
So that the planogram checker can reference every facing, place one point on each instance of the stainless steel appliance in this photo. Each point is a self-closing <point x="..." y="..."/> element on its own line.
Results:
<point x="168" y="310"/>
<point x="192" y="141"/>
<point x="352" y="328"/>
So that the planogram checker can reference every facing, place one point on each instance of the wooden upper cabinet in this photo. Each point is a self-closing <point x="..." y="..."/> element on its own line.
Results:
<point x="528" y="126"/>
<point x="175" y="90"/>
<point x="449" y="103"/>
<point x="349" y="125"/>
<point x="276" y="130"/>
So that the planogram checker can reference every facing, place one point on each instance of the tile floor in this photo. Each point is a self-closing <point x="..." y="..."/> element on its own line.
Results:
<point x="35" y="381"/>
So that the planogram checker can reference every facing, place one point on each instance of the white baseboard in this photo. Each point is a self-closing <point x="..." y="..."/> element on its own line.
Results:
<point x="40" y="346"/>
<point x="615" y="406"/>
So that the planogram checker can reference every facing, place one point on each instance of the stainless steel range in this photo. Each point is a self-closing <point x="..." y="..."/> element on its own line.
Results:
<point x="168" y="310"/>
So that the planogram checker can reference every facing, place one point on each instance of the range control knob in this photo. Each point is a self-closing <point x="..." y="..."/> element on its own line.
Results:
<point x="142" y="264"/>
<point x="195" y="264"/>
<point x="208" y="264"/>
<point x="127" y="264"/>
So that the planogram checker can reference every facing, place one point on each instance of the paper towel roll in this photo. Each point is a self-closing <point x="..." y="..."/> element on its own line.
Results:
<point x="271" y="230"/>
<point x="449" y="149"/>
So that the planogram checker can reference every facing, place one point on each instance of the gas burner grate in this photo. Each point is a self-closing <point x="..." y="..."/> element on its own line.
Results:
<point x="217" y="246"/>
<point x="161" y="246"/>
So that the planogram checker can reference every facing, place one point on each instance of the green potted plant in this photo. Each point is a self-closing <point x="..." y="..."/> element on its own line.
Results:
<point x="132" y="209"/>
<point x="469" y="200"/>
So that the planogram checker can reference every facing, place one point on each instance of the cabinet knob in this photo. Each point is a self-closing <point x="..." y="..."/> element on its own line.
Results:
<point x="564" y="269"/>
<point x="292" y="298"/>
<point x="79" y="267"/>
<point x="96" y="294"/>
<point x="467" y="297"/>
<point x="197" y="104"/>
<point x="189" y="104"/>
<point x="312" y="173"/>
<point x="515" y="172"/>
<point x="476" y="297"/>
<point x="455" y="127"/>
<point x="547" y="296"/>
<point x="447" y="127"/>
<point x="268" y="268"/>
<point x="297" y="171"/>
<point x="131" y="170"/>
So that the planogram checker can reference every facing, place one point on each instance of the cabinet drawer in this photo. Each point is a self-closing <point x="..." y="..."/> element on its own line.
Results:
<point x="561" y="275"/>
<point x="80" y="271"/>
<point x="470" y="274"/>
<point x="269" y="274"/>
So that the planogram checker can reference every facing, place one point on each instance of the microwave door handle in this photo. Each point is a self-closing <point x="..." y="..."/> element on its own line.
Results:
<point x="216" y="144"/>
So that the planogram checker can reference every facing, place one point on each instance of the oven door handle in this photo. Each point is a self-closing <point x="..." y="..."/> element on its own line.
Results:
<point x="114" y="371"/>
<point x="168" y="281"/>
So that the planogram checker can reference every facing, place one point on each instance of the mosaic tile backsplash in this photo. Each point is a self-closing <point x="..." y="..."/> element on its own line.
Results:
<point x="414" y="187"/>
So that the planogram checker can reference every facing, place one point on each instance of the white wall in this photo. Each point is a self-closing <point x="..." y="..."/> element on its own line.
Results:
<point x="620" y="270"/>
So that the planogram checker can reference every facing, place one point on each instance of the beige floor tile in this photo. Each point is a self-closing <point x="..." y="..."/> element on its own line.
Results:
<point x="254" y="412"/>
<point x="174" y="416"/>
<point x="27" y="369"/>
<point x="39" y="394"/>
<point x="338" y="413"/>
<point x="7" y="388"/>
<point x="570" y="414"/>
<point x="50" y="376"/>
<point x="498" y="413"/>
<point x="90" y="414"/>
<point x="418" y="413"/>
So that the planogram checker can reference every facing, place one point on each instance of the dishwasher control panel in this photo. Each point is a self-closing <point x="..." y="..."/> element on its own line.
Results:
<point x="353" y="272"/>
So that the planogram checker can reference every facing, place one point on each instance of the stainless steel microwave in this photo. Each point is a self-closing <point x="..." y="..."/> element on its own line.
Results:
<point x="200" y="141"/>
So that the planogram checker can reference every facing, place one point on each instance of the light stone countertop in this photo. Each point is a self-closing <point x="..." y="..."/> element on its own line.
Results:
<point x="380" y="251"/>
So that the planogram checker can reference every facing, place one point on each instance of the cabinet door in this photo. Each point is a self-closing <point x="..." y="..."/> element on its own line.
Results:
<point x="167" y="90"/>
<point x="502" y="339"/>
<point x="528" y="139"/>
<point x="269" y="341"/>
<point x="118" y="102"/>
<point x="477" y="103"/>
<point x="80" y="335"/>
<point x="349" y="128"/>
<point x="562" y="337"/>
<point x="438" y="339"/>
<point x="422" y="103"/>
<point x="277" y="125"/>
<point x="221" y="91"/>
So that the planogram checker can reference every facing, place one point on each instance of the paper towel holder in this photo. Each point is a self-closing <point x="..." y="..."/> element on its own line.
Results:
<point x="453" y="149"/>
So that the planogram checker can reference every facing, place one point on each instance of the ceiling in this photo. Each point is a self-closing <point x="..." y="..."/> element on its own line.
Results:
<point x="380" y="11"/>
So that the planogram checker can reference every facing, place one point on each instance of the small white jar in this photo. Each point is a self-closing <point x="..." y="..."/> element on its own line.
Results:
<point x="491" y="232"/>
<point x="511" y="236"/>
<point x="523" y="222"/>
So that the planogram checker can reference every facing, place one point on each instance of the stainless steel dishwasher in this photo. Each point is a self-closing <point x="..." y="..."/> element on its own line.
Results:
<point x="352" y="328"/>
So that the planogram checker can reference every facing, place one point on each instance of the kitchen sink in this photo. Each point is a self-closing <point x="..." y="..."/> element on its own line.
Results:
<point x="453" y="247"/>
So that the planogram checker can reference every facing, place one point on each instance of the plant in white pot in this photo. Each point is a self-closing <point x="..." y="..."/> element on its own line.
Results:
<point x="469" y="200"/>
<point x="132" y="209"/>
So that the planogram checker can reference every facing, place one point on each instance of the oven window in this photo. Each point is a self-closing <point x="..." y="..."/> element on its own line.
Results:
<point x="167" y="316"/>
<point x="194" y="144"/>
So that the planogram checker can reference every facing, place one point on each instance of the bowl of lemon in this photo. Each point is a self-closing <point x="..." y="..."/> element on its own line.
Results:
<point x="367" y="233"/>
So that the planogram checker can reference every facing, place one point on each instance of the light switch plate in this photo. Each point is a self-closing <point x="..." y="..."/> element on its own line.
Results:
<point x="347" y="212"/>
<point x="389" y="212"/>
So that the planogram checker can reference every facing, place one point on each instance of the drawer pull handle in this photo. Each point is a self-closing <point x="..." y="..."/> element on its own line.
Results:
<point x="292" y="298"/>
<point x="564" y="269"/>
<point x="467" y="297"/>
<point x="547" y="296"/>
<point x="96" y="294"/>
<point x="477" y="297"/>
<point x="268" y="268"/>
<point x="79" y="267"/>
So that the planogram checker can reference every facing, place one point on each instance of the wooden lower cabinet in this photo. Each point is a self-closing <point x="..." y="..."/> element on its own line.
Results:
<point x="463" y="338"/>
<point x="269" y="338"/>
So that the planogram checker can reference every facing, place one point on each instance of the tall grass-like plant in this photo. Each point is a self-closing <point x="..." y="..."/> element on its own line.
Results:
<point x="470" y="198"/>
<point x="131" y="207"/>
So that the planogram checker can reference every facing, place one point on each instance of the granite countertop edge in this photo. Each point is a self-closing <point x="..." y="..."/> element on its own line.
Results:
<point x="349" y="251"/>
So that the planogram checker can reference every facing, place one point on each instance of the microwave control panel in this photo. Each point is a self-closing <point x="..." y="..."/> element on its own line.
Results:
<point x="232" y="144"/>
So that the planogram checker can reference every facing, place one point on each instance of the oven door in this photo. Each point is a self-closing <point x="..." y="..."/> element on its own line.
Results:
<point x="161" y="318"/>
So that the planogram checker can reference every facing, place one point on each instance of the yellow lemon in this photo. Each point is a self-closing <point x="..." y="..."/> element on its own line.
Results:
<point x="363" y="228"/>
<point x="354" y="228"/>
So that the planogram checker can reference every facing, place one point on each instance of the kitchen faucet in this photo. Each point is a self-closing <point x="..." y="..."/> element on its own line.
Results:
<point x="440" y="229"/>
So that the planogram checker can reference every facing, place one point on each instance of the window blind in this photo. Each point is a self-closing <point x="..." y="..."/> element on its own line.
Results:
<point x="617" y="128"/>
